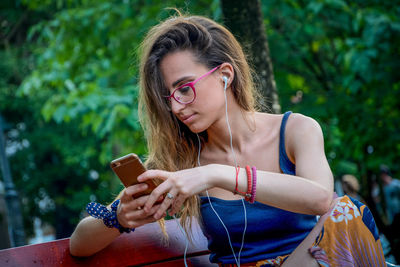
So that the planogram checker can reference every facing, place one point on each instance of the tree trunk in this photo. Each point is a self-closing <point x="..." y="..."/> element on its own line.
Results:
<point x="4" y="238"/>
<point x="245" y="21"/>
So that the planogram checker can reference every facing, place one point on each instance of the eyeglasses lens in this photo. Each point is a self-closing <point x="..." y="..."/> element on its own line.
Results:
<point x="184" y="95"/>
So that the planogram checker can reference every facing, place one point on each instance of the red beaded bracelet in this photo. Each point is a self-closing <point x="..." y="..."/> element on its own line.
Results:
<point x="249" y="188"/>
<point x="237" y="182"/>
<point x="254" y="187"/>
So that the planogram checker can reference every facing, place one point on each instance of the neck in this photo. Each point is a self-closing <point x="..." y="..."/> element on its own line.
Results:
<point x="242" y="124"/>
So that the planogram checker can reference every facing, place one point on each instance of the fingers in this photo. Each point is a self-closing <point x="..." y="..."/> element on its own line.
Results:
<point x="166" y="203"/>
<point x="129" y="212"/>
<point x="170" y="187"/>
<point x="152" y="174"/>
<point x="177" y="204"/>
<point x="132" y="190"/>
<point x="136" y="218"/>
<point x="173" y="185"/>
<point x="156" y="194"/>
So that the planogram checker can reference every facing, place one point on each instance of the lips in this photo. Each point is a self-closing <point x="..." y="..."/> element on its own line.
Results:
<point x="186" y="119"/>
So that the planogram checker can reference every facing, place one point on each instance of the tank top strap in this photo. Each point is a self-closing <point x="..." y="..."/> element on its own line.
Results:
<point x="285" y="164"/>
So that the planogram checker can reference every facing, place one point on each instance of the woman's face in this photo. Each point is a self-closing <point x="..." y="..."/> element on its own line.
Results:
<point x="179" y="68"/>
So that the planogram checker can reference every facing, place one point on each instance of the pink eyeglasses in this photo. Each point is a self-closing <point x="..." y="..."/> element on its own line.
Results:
<point x="186" y="94"/>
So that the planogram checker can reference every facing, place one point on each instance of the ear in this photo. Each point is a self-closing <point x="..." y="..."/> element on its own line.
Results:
<point x="227" y="71"/>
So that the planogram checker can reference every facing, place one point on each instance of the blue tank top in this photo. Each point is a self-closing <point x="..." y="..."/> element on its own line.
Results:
<point x="271" y="232"/>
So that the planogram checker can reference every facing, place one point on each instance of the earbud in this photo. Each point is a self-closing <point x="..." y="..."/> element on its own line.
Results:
<point x="225" y="81"/>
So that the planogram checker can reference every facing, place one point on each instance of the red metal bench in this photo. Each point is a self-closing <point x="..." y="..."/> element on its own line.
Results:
<point x="143" y="247"/>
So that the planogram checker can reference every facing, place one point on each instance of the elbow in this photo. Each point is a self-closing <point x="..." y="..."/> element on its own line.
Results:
<point x="77" y="250"/>
<point x="74" y="249"/>
<point x="323" y="203"/>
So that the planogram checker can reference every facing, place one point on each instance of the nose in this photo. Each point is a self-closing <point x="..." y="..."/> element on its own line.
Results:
<point x="176" y="107"/>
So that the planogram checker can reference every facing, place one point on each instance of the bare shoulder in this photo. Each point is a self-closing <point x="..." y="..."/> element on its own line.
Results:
<point x="302" y="132"/>
<point x="297" y="127"/>
<point x="301" y="124"/>
<point x="268" y="120"/>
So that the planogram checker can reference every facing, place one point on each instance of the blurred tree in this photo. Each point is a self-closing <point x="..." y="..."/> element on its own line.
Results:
<point x="336" y="61"/>
<point x="70" y="70"/>
<point x="4" y="236"/>
<point x="44" y="156"/>
<point x="75" y="108"/>
<point x="245" y="20"/>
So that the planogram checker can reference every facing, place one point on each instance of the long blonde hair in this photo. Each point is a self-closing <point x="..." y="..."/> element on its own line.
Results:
<point x="171" y="145"/>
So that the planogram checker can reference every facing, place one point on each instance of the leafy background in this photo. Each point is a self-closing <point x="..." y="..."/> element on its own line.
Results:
<point x="68" y="89"/>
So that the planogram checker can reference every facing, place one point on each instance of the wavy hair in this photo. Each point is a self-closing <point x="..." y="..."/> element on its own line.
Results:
<point x="171" y="144"/>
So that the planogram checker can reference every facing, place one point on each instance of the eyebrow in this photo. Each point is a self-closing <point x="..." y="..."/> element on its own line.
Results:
<point x="180" y="80"/>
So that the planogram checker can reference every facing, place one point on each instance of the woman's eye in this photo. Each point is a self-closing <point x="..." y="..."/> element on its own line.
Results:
<point x="185" y="90"/>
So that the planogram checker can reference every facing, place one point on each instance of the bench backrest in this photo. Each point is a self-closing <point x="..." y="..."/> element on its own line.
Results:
<point x="143" y="247"/>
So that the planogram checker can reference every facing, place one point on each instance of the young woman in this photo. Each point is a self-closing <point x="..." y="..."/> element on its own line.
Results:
<point x="199" y="113"/>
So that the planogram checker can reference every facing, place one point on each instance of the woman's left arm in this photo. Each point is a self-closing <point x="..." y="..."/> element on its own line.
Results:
<point x="309" y="192"/>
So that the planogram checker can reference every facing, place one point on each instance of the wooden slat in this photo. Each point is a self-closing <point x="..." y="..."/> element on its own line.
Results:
<point x="142" y="248"/>
<point x="198" y="261"/>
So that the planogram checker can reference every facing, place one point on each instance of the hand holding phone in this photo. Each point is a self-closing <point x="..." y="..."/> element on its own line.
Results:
<point x="128" y="168"/>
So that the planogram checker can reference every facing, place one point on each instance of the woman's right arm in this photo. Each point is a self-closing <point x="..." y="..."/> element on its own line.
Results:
<point x="92" y="235"/>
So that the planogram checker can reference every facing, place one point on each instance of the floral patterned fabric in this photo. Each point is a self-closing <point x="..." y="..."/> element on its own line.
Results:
<point x="348" y="238"/>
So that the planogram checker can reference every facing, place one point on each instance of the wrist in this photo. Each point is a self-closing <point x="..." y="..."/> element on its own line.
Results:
<point x="109" y="217"/>
<point x="113" y="219"/>
<point x="210" y="176"/>
<point x="223" y="176"/>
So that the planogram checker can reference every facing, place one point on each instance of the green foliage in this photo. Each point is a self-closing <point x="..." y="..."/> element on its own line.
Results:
<point x="343" y="56"/>
<point x="86" y="66"/>
<point x="68" y="91"/>
<point x="68" y="88"/>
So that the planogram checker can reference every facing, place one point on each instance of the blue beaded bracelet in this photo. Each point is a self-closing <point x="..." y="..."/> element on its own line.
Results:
<point x="109" y="217"/>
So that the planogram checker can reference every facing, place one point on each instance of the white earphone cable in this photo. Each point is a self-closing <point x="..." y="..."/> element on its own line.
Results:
<point x="187" y="240"/>
<point x="237" y="260"/>
<point x="219" y="218"/>
<point x="234" y="158"/>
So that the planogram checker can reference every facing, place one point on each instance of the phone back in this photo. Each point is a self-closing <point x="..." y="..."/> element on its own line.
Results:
<point x="128" y="168"/>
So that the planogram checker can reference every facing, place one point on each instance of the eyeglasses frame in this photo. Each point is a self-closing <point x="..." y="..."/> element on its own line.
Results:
<point x="191" y="85"/>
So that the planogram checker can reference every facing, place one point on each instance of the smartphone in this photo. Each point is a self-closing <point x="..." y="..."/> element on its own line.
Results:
<point x="128" y="168"/>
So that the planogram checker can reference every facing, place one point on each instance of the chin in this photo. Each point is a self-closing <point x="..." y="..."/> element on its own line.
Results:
<point x="196" y="128"/>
